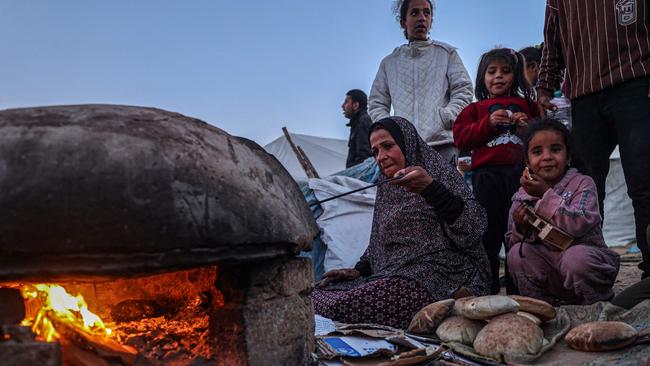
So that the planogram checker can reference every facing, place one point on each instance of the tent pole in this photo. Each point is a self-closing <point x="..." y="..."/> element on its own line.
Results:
<point x="307" y="166"/>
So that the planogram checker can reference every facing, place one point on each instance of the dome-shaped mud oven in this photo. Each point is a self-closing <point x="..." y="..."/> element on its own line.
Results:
<point x="181" y="237"/>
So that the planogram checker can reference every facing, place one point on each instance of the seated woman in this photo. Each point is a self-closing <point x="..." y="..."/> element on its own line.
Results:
<point x="584" y="272"/>
<point x="425" y="243"/>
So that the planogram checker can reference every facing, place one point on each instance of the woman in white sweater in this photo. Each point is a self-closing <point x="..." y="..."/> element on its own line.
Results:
<point x="424" y="80"/>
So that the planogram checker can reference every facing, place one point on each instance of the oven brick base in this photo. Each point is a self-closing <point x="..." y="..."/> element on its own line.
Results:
<point x="268" y="317"/>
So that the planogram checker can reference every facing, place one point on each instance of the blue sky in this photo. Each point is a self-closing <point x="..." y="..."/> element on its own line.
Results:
<point x="248" y="67"/>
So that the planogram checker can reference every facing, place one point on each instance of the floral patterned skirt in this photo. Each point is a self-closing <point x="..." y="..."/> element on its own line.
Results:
<point x="391" y="301"/>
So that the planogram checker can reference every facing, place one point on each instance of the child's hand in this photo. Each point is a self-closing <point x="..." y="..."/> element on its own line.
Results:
<point x="499" y="117"/>
<point x="520" y="118"/>
<point x="520" y="218"/>
<point x="535" y="187"/>
<point x="519" y="215"/>
<point x="463" y="166"/>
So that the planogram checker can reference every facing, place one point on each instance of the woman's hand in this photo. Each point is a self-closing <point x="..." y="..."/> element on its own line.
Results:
<point x="499" y="117"/>
<point x="534" y="187"/>
<point x="337" y="275"/>
<point x="415" y="179"/>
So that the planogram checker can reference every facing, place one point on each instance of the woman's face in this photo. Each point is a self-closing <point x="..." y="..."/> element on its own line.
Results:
<point x="418" y="20"/>
<point x="547" y="156"/>
<point x="387" y="153"/>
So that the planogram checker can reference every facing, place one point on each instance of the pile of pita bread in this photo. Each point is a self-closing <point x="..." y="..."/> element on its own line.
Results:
<point x="505" y="327"/>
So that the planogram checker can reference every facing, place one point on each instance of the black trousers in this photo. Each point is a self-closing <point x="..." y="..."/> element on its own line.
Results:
<point x="617" y="115"/>
<point x="493" y="187"/>
<point x="633" y="294"/>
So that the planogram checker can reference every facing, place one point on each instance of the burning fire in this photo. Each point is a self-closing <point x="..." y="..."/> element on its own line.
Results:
<point x="57" y="308"/>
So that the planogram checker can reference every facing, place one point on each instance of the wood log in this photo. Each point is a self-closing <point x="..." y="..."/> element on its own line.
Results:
<point x="102" y="346"/>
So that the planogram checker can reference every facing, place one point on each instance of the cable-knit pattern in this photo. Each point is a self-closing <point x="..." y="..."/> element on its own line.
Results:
<point x="426" y="83"/>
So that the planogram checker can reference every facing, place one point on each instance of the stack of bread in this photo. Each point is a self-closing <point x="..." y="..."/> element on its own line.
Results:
<point x="497" y="327"/>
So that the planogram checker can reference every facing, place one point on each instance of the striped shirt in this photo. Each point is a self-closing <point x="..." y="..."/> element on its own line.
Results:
<point x="598" y="43"/>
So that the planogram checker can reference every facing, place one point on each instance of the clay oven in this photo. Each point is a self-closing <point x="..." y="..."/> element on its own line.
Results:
<point x="180" y="237"/>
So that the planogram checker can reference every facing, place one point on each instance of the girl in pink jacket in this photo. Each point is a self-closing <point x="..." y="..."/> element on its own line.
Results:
<point x="584" y="272"/>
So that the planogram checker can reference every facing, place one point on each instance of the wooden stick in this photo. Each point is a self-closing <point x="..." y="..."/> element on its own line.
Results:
<point x="301" y="156"/>
<point x="310" y="166"/>
<point x="104" y="347"/>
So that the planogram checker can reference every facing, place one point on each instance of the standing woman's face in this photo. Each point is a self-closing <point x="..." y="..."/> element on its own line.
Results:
<point x="387" y="153"/>
<point x="418" y="20"/>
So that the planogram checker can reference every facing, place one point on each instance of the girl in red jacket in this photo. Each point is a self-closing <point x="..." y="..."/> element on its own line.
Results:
<point x="488" y="128"/>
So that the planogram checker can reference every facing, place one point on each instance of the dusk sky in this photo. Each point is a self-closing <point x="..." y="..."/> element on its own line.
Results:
<point x="248" y="67"/>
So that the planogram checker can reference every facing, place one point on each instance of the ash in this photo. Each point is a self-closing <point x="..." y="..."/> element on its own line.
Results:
<point x="178" y="338"/>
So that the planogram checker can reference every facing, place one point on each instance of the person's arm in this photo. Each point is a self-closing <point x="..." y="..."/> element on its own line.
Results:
<point x="461" y="217"/>
<point x="447" y="205"/>
<point x="379" y="99"/>
<point x="577" y="216"/>
<point x="460" y="90"/>
<point x="470" y="131"/>
<point x="552" y="64"/>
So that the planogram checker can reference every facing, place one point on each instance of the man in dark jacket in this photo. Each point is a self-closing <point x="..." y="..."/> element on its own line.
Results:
<point x="355" y="107"/>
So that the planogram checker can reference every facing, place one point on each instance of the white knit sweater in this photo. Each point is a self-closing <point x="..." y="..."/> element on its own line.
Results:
<point x="426" y="83"/>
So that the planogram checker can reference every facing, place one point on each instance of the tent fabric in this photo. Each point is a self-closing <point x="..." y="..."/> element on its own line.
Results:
<point x="327" y="155"/>
<point x="346" y="222"/>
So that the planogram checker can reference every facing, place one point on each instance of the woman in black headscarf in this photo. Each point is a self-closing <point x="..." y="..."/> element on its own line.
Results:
<point x="425" y="243"/>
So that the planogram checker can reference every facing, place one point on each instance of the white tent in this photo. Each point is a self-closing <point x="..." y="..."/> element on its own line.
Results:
<point x="328" y="156"/>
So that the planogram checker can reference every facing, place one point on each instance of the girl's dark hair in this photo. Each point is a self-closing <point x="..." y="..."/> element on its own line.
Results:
<point x="533" y="54"/>
<point x="520" y="85"/>
<point x="401" y="7"/>
<point x="547" y="124"/>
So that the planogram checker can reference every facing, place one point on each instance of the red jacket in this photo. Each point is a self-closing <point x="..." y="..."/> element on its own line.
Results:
<point x="490" y="146"/>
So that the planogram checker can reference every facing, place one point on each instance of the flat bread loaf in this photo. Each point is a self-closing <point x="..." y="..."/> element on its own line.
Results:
<point x="539" y="308"/>
<point x="530" y="317"/>
<point x="601" y="336"/>
<point x="460" y="304"/>
<point x="486" y="307"/>
<point x="459" y="329"/>
<point x="428" y="318"/>
<point x="507" y="335"/>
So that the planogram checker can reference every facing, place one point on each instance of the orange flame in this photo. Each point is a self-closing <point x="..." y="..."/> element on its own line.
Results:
<point x="58" y="306"/>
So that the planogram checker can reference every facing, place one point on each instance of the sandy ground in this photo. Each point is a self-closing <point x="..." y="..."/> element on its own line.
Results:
<point x="629" y="272"/>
